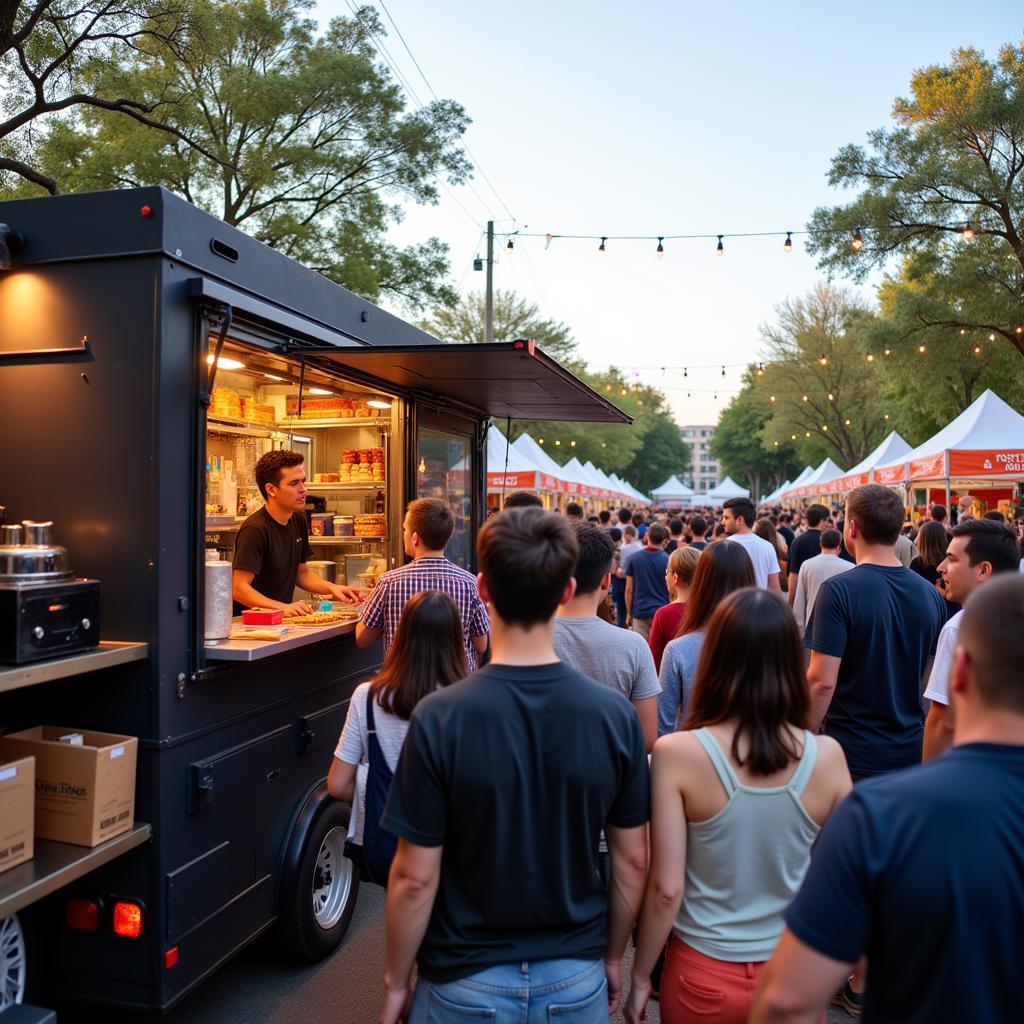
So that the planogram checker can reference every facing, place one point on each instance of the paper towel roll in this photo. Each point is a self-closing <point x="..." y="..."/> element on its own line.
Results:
<point x="218" y="599"/>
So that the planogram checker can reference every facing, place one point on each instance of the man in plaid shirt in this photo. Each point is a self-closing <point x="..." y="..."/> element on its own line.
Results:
<point x="428" y="526"/>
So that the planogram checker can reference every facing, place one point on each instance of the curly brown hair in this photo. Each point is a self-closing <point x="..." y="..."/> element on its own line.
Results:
<point x="271" y="465"/>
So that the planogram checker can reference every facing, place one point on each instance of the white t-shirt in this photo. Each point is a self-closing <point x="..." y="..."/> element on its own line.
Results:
<point x="938" y="681"/>
<point x="762" y="554"/>
<point x="353" y="746"/>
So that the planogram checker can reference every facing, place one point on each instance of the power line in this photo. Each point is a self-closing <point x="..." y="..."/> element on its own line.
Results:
<point x="476" y="163"/>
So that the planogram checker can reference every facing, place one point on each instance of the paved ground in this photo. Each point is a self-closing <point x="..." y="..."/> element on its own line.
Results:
<point x="345" y="989"/>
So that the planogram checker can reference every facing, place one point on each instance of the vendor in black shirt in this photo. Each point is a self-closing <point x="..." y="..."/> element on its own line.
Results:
<point x="273" y="544"/>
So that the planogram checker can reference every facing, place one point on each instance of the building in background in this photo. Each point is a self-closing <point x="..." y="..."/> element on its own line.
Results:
<point x="705" y="470"/>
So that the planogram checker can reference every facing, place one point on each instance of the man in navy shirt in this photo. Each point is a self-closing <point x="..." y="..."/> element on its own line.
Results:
<point x="923" y="870"/>
<point x="871" y="634"/>
<point x="646" y="589"/>
<point x="807" y="545"/>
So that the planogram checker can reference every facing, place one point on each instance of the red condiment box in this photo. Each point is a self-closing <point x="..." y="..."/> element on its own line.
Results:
<point x="262" y="616"/>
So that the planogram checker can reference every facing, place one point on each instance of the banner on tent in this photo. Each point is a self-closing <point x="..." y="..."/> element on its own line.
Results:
<point x="891" y="475"/>
<point x="986" y="463"/>
<point x="517" y="481"/>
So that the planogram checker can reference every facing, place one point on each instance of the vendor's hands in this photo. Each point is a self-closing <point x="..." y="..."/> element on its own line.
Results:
<point x="397" y="1005"/>
<point x="613" y="975"/>
<point x="349" y="595"/>
<point x="635" y="1010"/>
<point x="298" y="608"/>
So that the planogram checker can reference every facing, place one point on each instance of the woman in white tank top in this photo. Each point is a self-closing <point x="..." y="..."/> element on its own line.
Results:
<point x="737" y="801"/>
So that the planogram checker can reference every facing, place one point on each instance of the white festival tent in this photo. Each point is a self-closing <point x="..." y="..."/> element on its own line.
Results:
<point x="509" y="468"/>
<point x="985" y="442"/>
<point x="892" y="448"/>
<point x="815" y="483"/>
<point x="727" y="489"/>
<point x="552" y="471"/>
<point x="776" y="494"/>
<point x="801" y="477"/>
<point x="672" y="490"/>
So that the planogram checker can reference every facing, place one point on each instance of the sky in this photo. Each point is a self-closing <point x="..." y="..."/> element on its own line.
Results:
<point x="662" y="118"/>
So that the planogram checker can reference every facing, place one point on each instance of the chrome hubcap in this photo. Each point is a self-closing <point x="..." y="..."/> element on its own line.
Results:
<point x="332" y="880"/>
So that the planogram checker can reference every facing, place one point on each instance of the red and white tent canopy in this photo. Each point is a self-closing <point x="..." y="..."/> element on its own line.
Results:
<point x="985" y="442"/>
<point x="815" y="483"/>
<point x="892" y="448"/>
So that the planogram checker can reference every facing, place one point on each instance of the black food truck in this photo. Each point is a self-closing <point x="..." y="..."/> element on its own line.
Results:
<point x="149" y="354"/>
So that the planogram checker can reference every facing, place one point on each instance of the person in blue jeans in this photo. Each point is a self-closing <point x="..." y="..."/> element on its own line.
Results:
<point x="503" y="786"/>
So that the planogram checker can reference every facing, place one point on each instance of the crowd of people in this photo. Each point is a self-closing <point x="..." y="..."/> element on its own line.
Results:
<point x="705" y="733"/>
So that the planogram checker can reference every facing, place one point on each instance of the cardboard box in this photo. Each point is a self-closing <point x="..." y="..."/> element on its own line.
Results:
<point x="17" y="810"/>
<point x="84" y="794"/>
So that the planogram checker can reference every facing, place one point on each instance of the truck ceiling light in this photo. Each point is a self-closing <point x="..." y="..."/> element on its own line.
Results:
<point x="378" y="403"/>
<point x="224" y="363"/>
<point x="319" y="391"/>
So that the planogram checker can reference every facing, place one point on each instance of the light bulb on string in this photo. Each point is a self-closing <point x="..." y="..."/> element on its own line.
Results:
<point x="558" y="443"/>
<point x="807" y="433"/>
<point x="847" y="422"/>
<point x="760" y="369"/>
<point x="824" y="427"/>
<point x="776" y="444"/>
<point x="968" y="232"/>
<point x="831" y="397"/>
<point x="540" y="440"/>
<point x="991" y="337"/>
<point x="723" y="371"/>
<point x="823" y="359"/>
<point x="547" y="243"/>
<point x="871" y="357"/>
<point x="660" y="251"/>
<point x="888" y="351"/>
<point x="685" y="372"/>
<point x="600" y="248"/>
<point x="886" y="416"/>
<point x="572" y="444"/>
<point x="511" y="246"/>
<point x="922" y="349"/>
<point x="963" y="330"/>
<point x="716" y="396"/>
<point x="422" y="467"/>
<point x="804" y="398"/>
<point x="977" y="350"/>
<point x="792" y="437"/>
<point x="720" y="250"/>
<point x="857" y="242"/>
<point x="787" y="245"/>
<point x="623" y="391"/>
<point x="771" y="398"/>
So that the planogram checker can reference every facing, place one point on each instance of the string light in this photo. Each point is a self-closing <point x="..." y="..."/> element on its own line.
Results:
<point x="792" y="437"/>
<point x="807" y="433"/>
<point x="547" y="242"/>
<point x="886" y="416"/>
<point x="685" y="372"/>
<point x="540" y="440"/>
<point x="963" y="330"/>
<point x="858" y="243"/>
<point x="787" y="245"/>
<point x="922" y="349"/>
<point x="776" y="444"/>
<point x="572" y="444"/>
<point x="977" y="350"/>
<point x="623" y="391"/>
<point x="604" y="238"/>
<point x="871" y="357"/>
<point x="760" y="369"/>
<point x="720" y="250"/>
<point x="991" y="337"/>
<point x="511" y="246"/>
<point x="968" y="232"/>
<point x="831" y="397"/>
<point x="824" y="427"/>
<point x="888" y="351"/>
<point x="660" y="251"/>
<point x="771" y="398"/>
<point x="823" y="359"/>
<point x="557" y="443"/>
<point x="805" y="398"/>
<point x="723" y="371"/>
<point x="847" y="422"/>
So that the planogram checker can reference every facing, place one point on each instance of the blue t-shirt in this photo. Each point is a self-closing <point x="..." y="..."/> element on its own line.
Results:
<point x="883" y="621"/>
<point x="650" y="591"/>
<point x="924" y="872"/>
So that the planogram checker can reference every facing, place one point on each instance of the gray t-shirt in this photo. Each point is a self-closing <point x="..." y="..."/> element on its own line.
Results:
<point x="678" y="670"/>
<point x="813" y="573"/>
<point x="353" y="746"/>
<point x="617" y="658"/>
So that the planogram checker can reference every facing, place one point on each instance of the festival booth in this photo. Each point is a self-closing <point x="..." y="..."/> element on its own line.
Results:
<point x="892" y="448"/>
<point x="817" y="483"/>
<point x="579" y="483"/>
<point x="981" y="454"/>
<point x="551" y="481"/>
<point x="777" y="493"/>
<point x="789" y="493"/>
<point x="673" y="492"/>
<point x="510" y="469"/>
<point x="727" y="489"/>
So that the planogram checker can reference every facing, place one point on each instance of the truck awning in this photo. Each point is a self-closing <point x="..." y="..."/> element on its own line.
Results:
<point x="503" y="379"/>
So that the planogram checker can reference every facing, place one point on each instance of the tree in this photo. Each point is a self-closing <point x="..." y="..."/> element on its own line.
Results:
<point x="49" y="51"/>
<point x="661" y="453"/>
<point x="514" y="317"/>
<point x="949" y="176"/>
<point x="739" y="442"/>
<point x="303" y="136"/>
<point x="819" y="383"/>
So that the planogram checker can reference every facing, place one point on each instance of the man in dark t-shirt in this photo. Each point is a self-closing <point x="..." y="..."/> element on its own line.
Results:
<point x="272" y="546"/>
<point x="871" y="634"/>
<point x="503" y="786"/>
<point x="923" y="870"/>
<point x="646" y="589"/>
<point x="807" y="545"/>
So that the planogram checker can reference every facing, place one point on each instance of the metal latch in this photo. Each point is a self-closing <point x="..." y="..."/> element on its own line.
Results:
<point x="201" y="786"/>
<point x="307" y="734"/>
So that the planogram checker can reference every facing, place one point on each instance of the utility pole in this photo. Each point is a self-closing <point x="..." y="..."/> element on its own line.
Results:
<point x="489" y="300"/>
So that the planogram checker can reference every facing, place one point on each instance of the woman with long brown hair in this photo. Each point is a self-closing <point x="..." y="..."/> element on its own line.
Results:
<point x="428" y="652"/>
<point x="737" y="801"/>
<point x="722" y="568"/>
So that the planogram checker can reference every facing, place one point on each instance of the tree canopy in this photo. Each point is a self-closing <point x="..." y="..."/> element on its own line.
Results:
<point x="299" y="137"/>
<point x="944" y="190"/>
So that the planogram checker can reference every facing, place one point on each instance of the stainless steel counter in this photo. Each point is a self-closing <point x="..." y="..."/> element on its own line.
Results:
<point x="109" y="653"/>
<point x="254" y="650"/>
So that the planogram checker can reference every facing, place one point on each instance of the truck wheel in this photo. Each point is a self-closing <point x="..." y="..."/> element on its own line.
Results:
<point x="315" y="915"/>
<point x="13" y="962"/>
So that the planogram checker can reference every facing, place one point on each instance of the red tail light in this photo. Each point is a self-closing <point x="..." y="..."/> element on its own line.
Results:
<point x="127" y="919"/>
<point x="83" y="915"/>
<point x="170" y="957"/>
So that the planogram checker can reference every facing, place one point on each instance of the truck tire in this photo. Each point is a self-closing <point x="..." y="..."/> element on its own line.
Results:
<point x="13" y="962"/>
<point x="319" y="899"/>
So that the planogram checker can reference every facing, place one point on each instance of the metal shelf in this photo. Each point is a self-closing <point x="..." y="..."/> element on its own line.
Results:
<point x="314" y="539"/>
<point x="379" y="486"/>
<point x="340" y="421"/>
<point x="54" y="865"/>
<point x="108" y="654"/>
<point x="247" y="428"/>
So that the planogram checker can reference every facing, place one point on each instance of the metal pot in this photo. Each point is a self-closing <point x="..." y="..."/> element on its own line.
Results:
<point x="28" y="554"/>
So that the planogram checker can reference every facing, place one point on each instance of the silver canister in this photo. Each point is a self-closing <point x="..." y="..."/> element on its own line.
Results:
<point x="217" y="624"/>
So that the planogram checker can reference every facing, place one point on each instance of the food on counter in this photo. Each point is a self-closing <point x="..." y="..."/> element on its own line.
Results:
<point x="329" y="408"/>
<point x="226" y="402"/>
<point x="326" y="478"/>
<point x="373" y="524"/>
<point x="320" y="618"/>
<point x="266" y="633"/>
